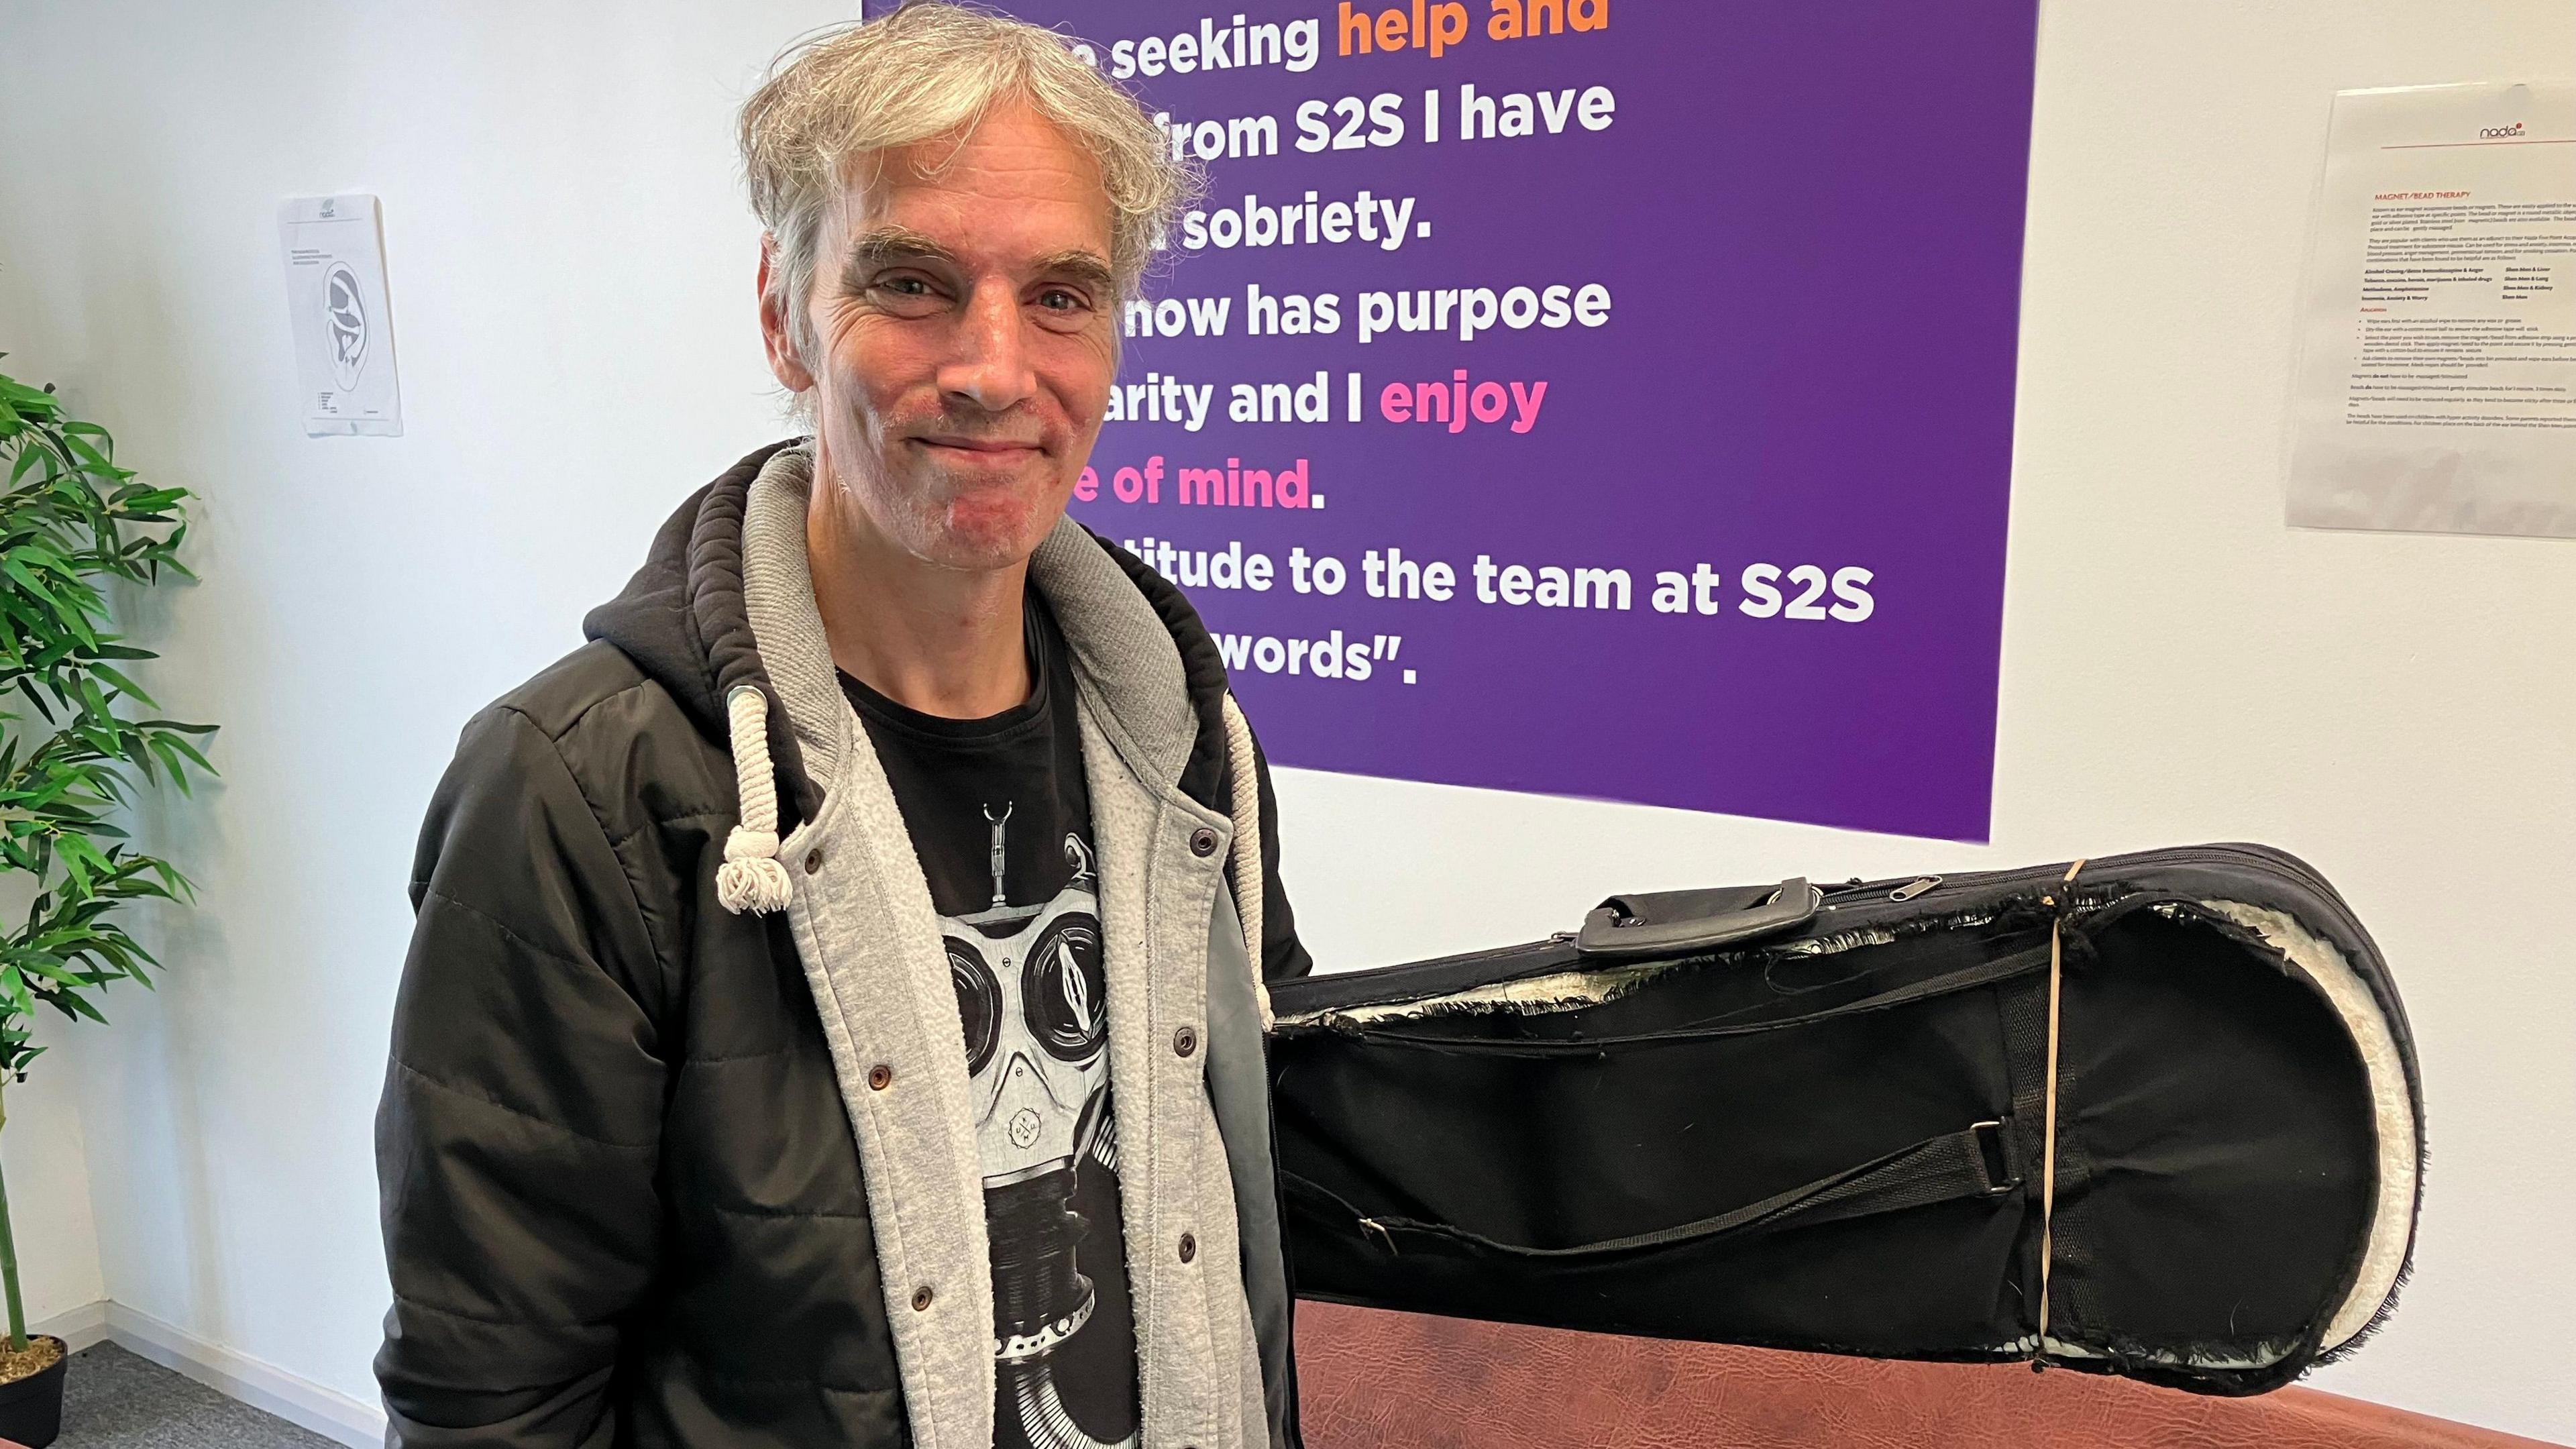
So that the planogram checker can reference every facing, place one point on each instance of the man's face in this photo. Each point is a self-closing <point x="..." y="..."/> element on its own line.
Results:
<point x="962" y="319"/>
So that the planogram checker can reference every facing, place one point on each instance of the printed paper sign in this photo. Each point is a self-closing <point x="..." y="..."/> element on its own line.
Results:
<point x="1593" y="398"/>
<point x="2437" y="367"/>
<point x="344" y="336"/>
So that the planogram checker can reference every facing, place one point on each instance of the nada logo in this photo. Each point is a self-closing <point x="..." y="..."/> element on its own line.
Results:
<point x="2501" y="133"/>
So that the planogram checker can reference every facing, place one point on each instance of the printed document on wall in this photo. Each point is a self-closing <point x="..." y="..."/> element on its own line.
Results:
<point x="344" y="336"/>
<point x="2437" y="367"/>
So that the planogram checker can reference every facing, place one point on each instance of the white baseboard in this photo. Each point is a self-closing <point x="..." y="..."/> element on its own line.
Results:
<point x="78" y="1328"/>
<point x="327" y="1412"/>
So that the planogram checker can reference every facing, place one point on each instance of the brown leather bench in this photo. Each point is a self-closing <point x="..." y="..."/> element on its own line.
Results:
<point x="1369" y="1378"/>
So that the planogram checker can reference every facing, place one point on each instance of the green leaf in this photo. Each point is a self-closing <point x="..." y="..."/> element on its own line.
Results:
<point x="72" y="1003"/>
<point x="123" y="684"/>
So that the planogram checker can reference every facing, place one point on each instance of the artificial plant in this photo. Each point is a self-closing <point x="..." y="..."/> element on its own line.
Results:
<point x="71" y="748"/>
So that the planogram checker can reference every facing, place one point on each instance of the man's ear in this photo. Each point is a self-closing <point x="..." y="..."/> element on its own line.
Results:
<point x="776" y="334"/>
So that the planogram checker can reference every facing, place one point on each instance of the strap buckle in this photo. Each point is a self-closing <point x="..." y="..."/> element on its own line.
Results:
<point x="1994" y="1150"/>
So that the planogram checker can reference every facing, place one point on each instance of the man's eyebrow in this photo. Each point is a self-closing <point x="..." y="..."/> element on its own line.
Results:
<point x="887" y="244"/>
<point x="1079" y="264"/>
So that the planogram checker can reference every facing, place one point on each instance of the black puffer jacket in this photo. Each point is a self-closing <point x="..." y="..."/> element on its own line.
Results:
<point x="622" y="1204"/>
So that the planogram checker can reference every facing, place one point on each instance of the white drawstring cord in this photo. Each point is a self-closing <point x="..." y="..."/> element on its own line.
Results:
<point x="751" y="878"/>
<point x="1247" y="844"/>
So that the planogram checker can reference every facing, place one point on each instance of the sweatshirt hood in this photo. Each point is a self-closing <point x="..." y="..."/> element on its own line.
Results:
<point x="683" y="620"/>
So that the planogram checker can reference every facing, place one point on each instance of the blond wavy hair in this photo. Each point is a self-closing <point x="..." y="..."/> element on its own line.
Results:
<point x="932" y="69"/>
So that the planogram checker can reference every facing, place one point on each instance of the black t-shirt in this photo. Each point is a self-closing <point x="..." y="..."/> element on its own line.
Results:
<point x="1000" y="815"/>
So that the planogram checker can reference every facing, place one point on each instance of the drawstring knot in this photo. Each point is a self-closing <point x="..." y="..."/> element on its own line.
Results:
<point x="751" y="878"/>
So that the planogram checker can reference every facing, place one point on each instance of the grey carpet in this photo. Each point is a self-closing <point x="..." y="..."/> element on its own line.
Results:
<point x="116" y="1399"/>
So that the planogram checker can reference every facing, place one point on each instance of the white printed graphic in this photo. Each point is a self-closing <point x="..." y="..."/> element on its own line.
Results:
<point x="1035" y="1010"/>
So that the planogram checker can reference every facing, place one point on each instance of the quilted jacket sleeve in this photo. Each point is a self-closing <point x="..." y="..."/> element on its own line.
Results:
<point x="517" y="1138"/>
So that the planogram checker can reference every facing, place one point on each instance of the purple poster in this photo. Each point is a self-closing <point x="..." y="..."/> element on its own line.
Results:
<point x="1595" y="397"/>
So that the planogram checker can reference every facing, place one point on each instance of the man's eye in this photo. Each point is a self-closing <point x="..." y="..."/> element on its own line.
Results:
<point x="1057" y="299"/>
<point x="907" y="295"/>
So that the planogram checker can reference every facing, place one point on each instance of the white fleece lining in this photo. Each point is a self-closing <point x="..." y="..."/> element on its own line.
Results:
<point x="2392" y="1222"/>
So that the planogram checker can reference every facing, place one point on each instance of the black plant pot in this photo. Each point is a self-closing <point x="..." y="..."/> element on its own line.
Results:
<point x="31" y="1410"/>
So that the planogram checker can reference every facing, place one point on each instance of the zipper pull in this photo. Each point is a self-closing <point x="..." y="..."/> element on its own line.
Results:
<point x="1913" y="888"/>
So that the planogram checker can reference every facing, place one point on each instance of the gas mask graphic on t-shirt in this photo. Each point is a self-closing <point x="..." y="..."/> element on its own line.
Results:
<point x="1034" y="1006"/>
<point x="1035" y="1011"/>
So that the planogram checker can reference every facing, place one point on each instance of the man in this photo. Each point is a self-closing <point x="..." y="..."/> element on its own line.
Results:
<point x="834" y="1015"/>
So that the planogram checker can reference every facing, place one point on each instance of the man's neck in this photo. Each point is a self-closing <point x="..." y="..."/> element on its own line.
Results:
<point x="946" y="642"/>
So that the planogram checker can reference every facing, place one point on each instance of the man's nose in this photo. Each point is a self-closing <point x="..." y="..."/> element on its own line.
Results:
<point x="989" y="363"/>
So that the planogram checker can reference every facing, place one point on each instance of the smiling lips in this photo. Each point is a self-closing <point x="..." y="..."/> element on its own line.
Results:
<point x="995" y="450"/>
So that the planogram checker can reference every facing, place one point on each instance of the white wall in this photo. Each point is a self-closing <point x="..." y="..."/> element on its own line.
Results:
<point x="48" y="1179"/>
<point x="571" y="275"/>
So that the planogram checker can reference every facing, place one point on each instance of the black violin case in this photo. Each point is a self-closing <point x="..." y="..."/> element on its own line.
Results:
<point x="1822" y="1119"/>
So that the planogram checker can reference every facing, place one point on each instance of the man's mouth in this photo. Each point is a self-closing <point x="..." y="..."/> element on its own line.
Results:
<point x="989" y="449"/>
